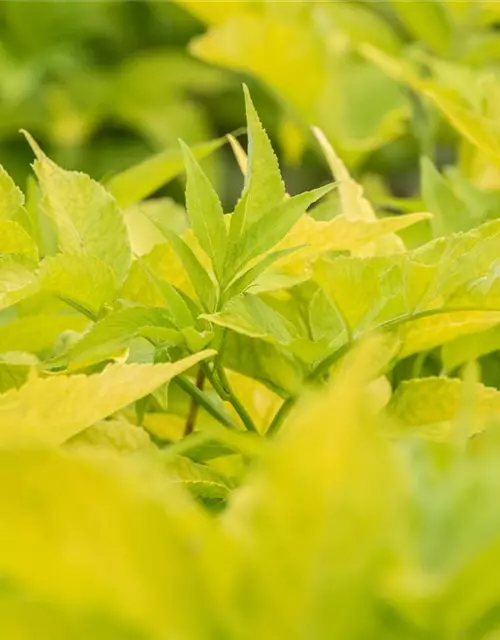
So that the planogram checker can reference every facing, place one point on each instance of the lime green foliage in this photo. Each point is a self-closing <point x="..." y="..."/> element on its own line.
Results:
<point x="247" y="424"/>
<point x="375" y="519"/>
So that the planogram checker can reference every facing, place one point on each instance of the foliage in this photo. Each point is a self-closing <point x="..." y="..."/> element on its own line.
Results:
<point x="278" y="419"/>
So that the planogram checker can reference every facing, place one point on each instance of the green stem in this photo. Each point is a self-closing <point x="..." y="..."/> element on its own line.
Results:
<point x="193" y="409"/>
<point x="280" y="416"/>
<point x="204" y="401"/>
<point x="222" y="386"/>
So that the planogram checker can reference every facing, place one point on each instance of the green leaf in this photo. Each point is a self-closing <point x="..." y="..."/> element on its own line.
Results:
<point x="114" y="333"/>
<point x="265" y="362"/>
<point x="85" y="282"/>
<point x="245" y="281"/>
<point x="252" y="317"/>
<point x="203" y="482"/>
<point x="470" y="347"/>
<point x="86" y="216"/>
<point x="181" y="313"/>
<point x="37" y="333"/>
<point x="11" y="197"/>
<point x="365" y="292"/>
<point x="146" y="221"/>
<point x="338" y="469"/>
<point x="431" y="331"/>
<point x="90" y="511"/>
<point x="313" y="238"/>
<point x="15" y="369"/>
<point x="117" y="435"/>
<point x="15" y="240"/>
<point x="266" y="232"/>
<point x="205" y="211"/>
<point x="325" y="321"/>
<point x="421" y="403"/>
<point x="202" y="282"/>
<point x="450" y="213"/>
<point x="264" y="187"/>
<point x="140" y="181"/>
<point x="17" y="280"/>
<point x="27" y="415"/>
<point x="355" y="205"/>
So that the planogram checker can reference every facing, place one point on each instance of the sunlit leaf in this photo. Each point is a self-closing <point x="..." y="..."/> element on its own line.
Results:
<point x="86" y="216"/>
<point x="437" y="401"/>
<point x="84" y="282"/>
<point x="117" y="386"/>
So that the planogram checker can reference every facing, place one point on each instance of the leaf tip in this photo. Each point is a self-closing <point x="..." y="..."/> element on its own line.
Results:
<point x="33" y="144"/>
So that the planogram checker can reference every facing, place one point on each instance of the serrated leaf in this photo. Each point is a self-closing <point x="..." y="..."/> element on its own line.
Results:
<point x="86" y="216"/>
<point x="245" y="281"/>
<point x="27" y="415"/>
<point x="355" y="205"/>
<point x="141" y="180"/>
<point x="17" y="280"/>
<point x="114" y="333"/>
<point x="11" y="197"/>
<point x="205" y="212"/>
<point x="200" y="279"/>
<point x="264" y="187"/>
<point x="252" y="317"/>
<point x="15" y="240"/>
<point x="83" y="281"/>
<point x="340" y="234"/>
<point x="363" y="291"/>
<point x="433" y="401"/>
<point x="265" y="233"/>
<point x="431" y="331"/>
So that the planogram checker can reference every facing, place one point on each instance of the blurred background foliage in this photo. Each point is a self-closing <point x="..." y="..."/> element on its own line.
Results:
<point x="104" y="84"/>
